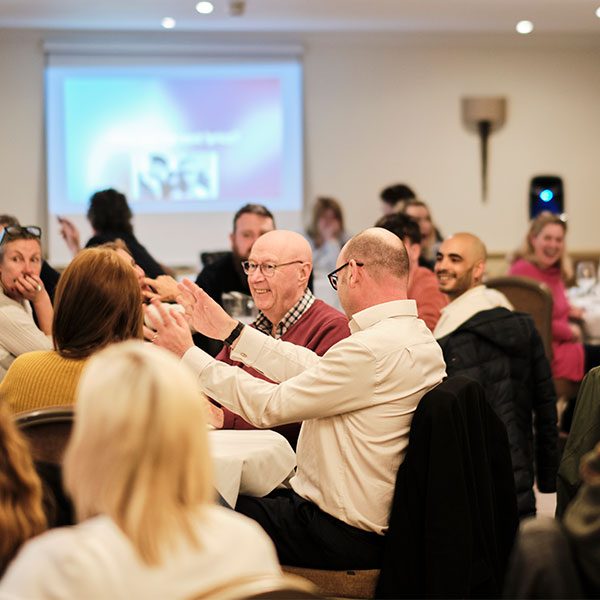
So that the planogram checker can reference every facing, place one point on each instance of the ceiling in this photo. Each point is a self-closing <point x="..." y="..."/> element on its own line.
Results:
<point x="416" y="16"/>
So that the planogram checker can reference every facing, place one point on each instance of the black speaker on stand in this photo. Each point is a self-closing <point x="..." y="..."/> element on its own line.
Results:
<point x="546" y="193"/>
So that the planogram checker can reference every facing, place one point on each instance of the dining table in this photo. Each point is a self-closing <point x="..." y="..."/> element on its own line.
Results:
<point x="250" y="462"/>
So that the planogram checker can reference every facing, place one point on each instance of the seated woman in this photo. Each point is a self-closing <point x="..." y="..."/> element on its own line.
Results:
<point x="139" y="472"/>
<point x="48" y="275"/>
<point x="110" y="217"/>
<point x="98" y="301"/>
<point x="20" y="285"/>
<point x="21" y="513"/>
<point x="327" y="236"/>
<point x="543" y="258"/>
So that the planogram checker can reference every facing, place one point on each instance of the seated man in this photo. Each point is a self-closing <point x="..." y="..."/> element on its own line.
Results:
<point x="483" y="339"/>
<point x="356" y="403"/>
<point x="287" y="310"/>
<point x="422" y="282"/>
<point x="226" y="273"/>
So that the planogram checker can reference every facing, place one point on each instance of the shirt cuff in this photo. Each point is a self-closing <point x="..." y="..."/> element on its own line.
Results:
<point x="249" y="345"/>
<point x="197" y="359"/>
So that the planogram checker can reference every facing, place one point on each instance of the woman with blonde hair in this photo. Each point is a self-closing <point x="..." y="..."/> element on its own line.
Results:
<point x="543" y="257"/>
<point x="21" y="513"/>
<point x="139" y="472"/>
<point x="98" y="302"/>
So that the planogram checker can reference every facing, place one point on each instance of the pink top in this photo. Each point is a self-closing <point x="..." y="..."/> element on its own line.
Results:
<point x="568" y="358"/>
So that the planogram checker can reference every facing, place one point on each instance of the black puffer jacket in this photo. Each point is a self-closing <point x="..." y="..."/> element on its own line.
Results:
<point x="503" y="351"/>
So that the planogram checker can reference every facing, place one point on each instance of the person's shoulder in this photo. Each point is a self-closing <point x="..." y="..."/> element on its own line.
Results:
<point x="327" y="312"/>
<point x="220" y="264"/>
<point x="100" y="238"/>
<point x="54" y="547"/>
<point x="32" y="358"/>
<point x="65" y="559"/>
<point x="241" y="527"/>
<point x="522" y="266"/>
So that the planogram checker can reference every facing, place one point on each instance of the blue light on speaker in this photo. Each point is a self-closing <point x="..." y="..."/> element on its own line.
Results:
<point x="546" y="195"/>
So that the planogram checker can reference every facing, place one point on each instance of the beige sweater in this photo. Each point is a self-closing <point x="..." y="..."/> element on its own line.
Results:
<point x="18" y="332"/>
<point x="39" y="380"/>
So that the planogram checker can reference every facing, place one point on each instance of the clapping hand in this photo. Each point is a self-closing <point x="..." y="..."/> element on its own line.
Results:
<point x="205" y="315"/>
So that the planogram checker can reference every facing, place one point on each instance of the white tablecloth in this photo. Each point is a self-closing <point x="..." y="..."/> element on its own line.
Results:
<point x="250" y="462"/>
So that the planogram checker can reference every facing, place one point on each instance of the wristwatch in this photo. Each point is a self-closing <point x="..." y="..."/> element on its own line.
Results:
<point x="235" y="334"/>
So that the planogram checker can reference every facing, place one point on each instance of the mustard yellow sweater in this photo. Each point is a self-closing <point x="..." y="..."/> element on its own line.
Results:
<point x="41" y="379"/>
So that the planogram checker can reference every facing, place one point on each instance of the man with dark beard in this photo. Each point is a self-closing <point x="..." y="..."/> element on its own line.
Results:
<point x="459" y="267"/>
<point x="483" y="339"/>
<point x="226" y="274"/>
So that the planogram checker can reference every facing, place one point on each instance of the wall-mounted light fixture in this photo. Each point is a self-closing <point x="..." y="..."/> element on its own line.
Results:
<point x="484" y="115"/>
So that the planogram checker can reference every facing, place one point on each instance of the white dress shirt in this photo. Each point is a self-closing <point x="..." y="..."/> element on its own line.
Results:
<point x="95" y="560"/>
<point x="467" y="305"/>
<point x="357" y="403"/>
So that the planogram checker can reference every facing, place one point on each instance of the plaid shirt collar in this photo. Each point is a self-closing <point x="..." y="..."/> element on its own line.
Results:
<point x="263" y="324"/>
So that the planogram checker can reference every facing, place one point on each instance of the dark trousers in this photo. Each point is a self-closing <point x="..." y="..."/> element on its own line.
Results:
<point x="305" y="536"/>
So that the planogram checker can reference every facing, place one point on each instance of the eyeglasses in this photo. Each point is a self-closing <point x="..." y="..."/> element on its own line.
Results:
<point x="267" y="269"/>
<point x="14" y="231"/>
<point x="333" y="276"/>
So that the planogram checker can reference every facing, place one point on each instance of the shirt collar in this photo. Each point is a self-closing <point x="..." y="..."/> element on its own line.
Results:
<point x="263" y="324"/>
<point x="369" y="316"/>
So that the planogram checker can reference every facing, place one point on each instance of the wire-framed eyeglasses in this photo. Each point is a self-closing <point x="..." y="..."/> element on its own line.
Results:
<point x="17" y="232"/>
<point x="333" y="276"/>
<point x="267" y="269"/>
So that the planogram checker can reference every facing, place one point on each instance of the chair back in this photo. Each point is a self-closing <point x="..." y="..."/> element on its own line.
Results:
<point x="264" y="587"/>
<point x="529" y="296"/>
<point x="48" y="431"/>
<point x="208" y="258"/>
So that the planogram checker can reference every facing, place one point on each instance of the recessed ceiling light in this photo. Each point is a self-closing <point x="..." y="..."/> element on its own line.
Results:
<point x="598" y="12"/>
<point x="168" y="22"/>
<point x="524" y="27"/>
<point x="204" y="7"/>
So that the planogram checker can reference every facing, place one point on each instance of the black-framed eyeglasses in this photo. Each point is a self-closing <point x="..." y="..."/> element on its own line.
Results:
<point x="333" y="276"/>
<point x="267" y="269"/>
<point x="18" y="232"/>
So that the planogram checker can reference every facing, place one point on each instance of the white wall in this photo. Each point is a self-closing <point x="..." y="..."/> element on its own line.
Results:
<point x="382" y="109"/>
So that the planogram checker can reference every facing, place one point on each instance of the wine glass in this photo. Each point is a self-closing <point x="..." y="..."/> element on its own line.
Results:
<point x="585" y="276"/>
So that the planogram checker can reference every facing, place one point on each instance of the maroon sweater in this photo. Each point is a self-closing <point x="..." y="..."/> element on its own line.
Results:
<point x="319" y="328"/>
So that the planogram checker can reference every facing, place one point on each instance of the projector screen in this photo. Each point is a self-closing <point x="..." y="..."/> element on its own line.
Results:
<point x="188" y="143"/>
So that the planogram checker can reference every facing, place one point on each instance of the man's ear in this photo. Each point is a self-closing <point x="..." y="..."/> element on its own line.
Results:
<point x="355" y="273"/>
<point x="231" y="239"/>
<point x="304" y="273"/>
<point x="479" y="270"/>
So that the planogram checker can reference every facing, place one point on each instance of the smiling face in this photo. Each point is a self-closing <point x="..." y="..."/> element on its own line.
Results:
<point x="275" y="296"/>
<point x="248" y="228"/>
<point x="458" y="266"/>
<point x="548" y="245"/>
<point x="20" y="257"/>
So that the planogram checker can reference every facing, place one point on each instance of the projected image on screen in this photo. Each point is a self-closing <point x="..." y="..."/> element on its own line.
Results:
<point x="191" y="136"/>
<point x="177" y="139"/>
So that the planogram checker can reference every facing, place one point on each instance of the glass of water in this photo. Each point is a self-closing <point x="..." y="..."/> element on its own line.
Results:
<point x="585" y="276"/>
